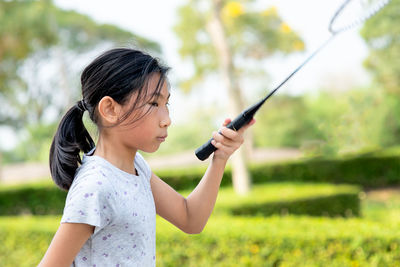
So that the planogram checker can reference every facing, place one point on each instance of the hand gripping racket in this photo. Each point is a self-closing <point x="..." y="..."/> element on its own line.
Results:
<point x="350" y="14"/>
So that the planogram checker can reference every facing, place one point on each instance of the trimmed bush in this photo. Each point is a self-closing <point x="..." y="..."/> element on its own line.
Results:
<point x="292" y="198"/>
<point x="368" y="171"/>
<point x="338" y="205"/>
<point x="227" y="241"/>
<point x="25" y="239"/>
<point x="281" y="241"/>
<point x="268" y="199"/>
<point x="36" y="199"/>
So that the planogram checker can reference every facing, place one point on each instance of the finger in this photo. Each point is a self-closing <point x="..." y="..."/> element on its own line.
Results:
<point x="216" y="144"/>
<point x="233" y="141"/>
<point x="223" y="149"/>
<point x="220" y="138"/>
<point x="230" y="134"/>
<point x="226" y="121"/>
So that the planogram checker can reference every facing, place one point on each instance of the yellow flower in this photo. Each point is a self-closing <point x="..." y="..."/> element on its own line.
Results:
<point x="298" y="45"/>
<point x="272" y="11"/>
<point x="233" y="9"/>
<point x="254" y="248"/>
<point x="285" y="28"/>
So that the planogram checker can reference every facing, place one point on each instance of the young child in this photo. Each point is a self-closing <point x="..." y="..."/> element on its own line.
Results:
<point x="113" y="196"/>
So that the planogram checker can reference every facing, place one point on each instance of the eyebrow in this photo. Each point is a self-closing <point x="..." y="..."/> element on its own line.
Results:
<point x="157" y="95"/>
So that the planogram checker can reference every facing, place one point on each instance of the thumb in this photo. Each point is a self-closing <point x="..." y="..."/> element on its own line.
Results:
<point x="226" y="121"/>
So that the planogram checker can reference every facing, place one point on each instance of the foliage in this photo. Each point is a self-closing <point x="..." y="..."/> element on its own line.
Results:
<point x="34" y="146"/>
<point x="281" y="241"/>
<point x="325" y="123"/>
<point x="286" y="121"/>
<point x="368" y="170"/>
<point x="41" y="49"/>
<point x="292" y="198"/>
<point x="252" y="35"/>
<point x="228" y="241"/>
<point x="36" y="198"/>
<point x="34" y="33"/>
<point x="25" y="239"/>
<point x="280" y="198"/>
<point x="381" y="34"/>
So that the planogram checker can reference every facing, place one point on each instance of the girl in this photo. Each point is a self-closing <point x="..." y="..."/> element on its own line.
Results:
<point x="113" y="197"/>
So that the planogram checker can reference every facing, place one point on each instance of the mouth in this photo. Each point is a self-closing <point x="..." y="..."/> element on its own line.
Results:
<point x="162" y="138"/>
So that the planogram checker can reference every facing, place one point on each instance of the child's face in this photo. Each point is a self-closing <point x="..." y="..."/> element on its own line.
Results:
<point x="150" y="131"/>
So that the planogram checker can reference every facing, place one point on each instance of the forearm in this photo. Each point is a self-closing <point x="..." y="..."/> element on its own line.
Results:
<point x="200" y="203"/>
<point x="191" y="214"/>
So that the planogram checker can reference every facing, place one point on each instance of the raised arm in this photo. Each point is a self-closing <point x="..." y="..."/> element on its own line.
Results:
<point x="191" y="214"/>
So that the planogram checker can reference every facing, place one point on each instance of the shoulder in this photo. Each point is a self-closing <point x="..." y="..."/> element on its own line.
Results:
<point x="92" y="174"/>
<point x="91" y="198"/>
<point x="142" y="165"/>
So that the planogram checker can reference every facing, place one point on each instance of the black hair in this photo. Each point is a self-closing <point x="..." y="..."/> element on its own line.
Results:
<point x="117" y="73"/>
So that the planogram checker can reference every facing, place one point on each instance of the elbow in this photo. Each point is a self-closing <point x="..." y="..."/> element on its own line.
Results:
<point x="193" y="230"/>
<point x="192" y="225"/>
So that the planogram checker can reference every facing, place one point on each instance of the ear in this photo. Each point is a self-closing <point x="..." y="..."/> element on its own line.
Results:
<point x="109" y="110"/>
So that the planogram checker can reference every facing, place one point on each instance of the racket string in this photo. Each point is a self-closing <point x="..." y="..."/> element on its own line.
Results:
<point x="353" y="13"/>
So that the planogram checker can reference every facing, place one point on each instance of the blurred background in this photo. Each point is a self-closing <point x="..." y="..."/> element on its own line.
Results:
<point x="317" y="181"/>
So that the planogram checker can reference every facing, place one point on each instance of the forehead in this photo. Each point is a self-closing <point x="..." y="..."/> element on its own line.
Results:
<point x="157" y="87"/>
<point x="153" y="88"/>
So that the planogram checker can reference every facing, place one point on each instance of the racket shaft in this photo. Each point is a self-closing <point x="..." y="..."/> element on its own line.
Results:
<point x="207" y="148"/>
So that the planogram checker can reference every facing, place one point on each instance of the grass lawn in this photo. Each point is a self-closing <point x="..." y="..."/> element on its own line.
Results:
<point x="291" y="240"/>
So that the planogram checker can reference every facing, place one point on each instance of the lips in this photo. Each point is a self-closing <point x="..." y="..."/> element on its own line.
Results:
<point x="162" y="138"/>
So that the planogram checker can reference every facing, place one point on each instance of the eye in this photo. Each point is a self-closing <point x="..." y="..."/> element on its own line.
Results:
<point x="154" y="104"/>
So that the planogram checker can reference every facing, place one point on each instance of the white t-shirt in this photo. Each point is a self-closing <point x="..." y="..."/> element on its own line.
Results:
<point x="120" y="206"/>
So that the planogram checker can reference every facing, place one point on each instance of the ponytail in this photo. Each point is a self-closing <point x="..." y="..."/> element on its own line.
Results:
<point x="71" y="138"/>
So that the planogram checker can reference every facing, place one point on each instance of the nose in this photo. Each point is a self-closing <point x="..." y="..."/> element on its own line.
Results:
<point x="165" y="120"/>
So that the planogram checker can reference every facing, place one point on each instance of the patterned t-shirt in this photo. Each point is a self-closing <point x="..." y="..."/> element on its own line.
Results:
<point x="120" y="206"/>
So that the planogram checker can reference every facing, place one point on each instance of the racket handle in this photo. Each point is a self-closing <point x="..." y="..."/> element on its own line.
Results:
<point x="203" y="152"/>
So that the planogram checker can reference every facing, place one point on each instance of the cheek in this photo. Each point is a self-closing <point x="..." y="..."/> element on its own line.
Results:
<point x="145" y="130"/>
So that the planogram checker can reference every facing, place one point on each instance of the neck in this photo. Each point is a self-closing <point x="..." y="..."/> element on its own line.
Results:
<point x="115" y="153"/>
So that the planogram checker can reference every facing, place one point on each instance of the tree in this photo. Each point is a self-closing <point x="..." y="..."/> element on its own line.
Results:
<point x="32" y="33"/>
<point x="41" y="51"/>
<point x="381" y="34"/>
<point x="219" y="34"/>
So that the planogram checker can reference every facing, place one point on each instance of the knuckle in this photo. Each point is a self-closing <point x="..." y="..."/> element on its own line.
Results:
<point x="215" y="135"/>
<point x="218" y="137"/>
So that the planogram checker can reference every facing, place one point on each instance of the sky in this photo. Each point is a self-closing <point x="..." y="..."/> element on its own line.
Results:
<point x="338" y="66"/>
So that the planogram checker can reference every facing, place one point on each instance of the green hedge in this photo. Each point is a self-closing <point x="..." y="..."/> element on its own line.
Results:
<point x="369" y="171"/>
<point x="36" y="198"/>
<point x="336" y="205"/>
<point x="292" y="198"/>
<point x="227" y="241"/>
<point x="267" y="199"/>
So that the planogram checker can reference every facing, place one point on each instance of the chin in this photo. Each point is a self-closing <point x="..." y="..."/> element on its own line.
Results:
<point x="151" y="149"/>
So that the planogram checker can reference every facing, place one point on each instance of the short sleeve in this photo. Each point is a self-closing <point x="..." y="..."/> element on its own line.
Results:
<point x="89" y="201"/>
<point x="143" y="166"/>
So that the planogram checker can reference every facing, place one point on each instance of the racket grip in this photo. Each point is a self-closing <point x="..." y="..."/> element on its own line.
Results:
<point x="207" y="148"/>
<point x="203" y="152"/>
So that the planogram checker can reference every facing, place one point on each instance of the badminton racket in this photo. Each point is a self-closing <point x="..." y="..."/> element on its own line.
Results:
<point x="351" y="13"/>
